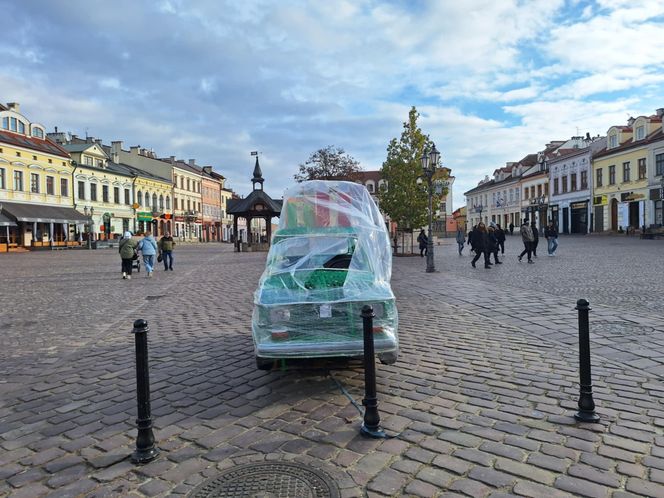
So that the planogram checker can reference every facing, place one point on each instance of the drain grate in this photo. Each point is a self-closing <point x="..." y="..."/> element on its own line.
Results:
<point x="154" y="298"/>
<point x="627" y="329"/>
<point x="268" y="480"/>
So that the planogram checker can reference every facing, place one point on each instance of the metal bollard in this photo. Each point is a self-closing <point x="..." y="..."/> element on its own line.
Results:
<point x="371" y="425"/>
<point x="586" y="411"/>
<point x="146" y="451"/>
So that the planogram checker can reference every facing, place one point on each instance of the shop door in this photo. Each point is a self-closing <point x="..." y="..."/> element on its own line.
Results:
<point x="565" y="220"/>
<point x="614" y="215"/>
<point x="634" y="214"/>
<point x="579" y="221"/>
<point x="599" y="218"/>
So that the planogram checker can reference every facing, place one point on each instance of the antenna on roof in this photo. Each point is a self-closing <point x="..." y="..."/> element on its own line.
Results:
<point x="254" y="152"/>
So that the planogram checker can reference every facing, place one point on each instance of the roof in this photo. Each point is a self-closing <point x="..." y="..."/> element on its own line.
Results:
<point x="42" y="213"/>
<point x="126" y="169"/>
<point x="33" y="143"/>
<point x="240" y="206"/>
<point x="6" y="221"/>
<point x="655" y="136"/>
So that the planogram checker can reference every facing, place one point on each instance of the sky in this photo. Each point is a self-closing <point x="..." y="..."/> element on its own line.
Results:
<point x="213" y="80"/>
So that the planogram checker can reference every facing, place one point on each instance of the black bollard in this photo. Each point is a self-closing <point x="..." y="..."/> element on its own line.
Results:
<point x="371" y="425"/>
<point x="146" y="451"/>
<point x="586" y="411"/>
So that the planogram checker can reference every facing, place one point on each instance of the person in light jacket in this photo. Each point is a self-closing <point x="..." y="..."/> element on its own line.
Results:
<point x="148" y="247"/>
<point x="461" y="239"/>
<point x="127" y="249"/>
<point x="527" y="237"/>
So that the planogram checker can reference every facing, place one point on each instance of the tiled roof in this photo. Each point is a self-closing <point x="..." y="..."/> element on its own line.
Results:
<point x="33" y="143"/>
<point x="655" y="136"/>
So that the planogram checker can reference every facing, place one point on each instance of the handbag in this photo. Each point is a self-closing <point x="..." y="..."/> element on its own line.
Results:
<point x="159" y="258"/>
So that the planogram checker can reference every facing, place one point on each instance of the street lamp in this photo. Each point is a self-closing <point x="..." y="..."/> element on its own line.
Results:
<point x="429" y="165"/>
<point x="478" y="209"/>
<point x="89" y="212"/>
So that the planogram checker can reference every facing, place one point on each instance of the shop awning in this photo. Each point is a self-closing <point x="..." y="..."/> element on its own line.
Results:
<point x="43" y="214"/>
<point x="6" y="222"/>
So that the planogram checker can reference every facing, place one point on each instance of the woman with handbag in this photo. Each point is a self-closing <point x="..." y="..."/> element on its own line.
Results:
<point x="128" y="254"/>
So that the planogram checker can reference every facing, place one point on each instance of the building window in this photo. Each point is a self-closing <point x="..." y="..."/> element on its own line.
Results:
<point x="81" y="190"/>
<point x="116" y="195"/>
<point x="34" y="183"/>
<point x="188" y="184"/>
<point x="18" y="154"/>
<point x="659" y="164"/>
<point x="370" y="187"/>
<point x="613" y="141"/>
<point x="532" y="192"/>
<point x="154" y="202"/>
<point x="555" y="186"/>
<point x="564" y="180"/>
<point x="546" y="189"/>
<point x="34" y="158"/>
<point x="104" y="193"/>
<point x="584" y="180"/>
<point x="64" y="187"/>
<point x="175" y="179"/>
<point x="5" y="123"/>
<point x="640" y="132"/>
<point x="93" y="191"/>
<point x="2" y="179"/>
<point x="12" y="124"/>
<point x="21" y="127"/>
<point x="147" y="199"/>
<point x="161" y="203"/>
<point x="181" y="183"/>
<point x="88" y="161"/>
<point x="50" y="161"/>
<point x="199" y="207"/>
<point x="100" y="163"/>
<point x="188" y="204"/>
<point x="598" y="180"/>
<point x="626" y="172"/>
<point x="642" y="168"/>
<point x="525" y="193"/>
<point x="572" y="179"/>
<point x="50" y="185"/>
<point x="539" y="191"/>
<point x="127" y="196"/>
<point x="38" y="132"/>
<point x="139" y="199"/>
<point x="612" y="175"/>
<point x="168" y="203"/>
<point x="18" y="181"/>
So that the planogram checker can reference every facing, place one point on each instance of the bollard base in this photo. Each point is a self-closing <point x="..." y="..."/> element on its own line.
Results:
<point x="375" y="434"/>
<point x="144" y="456"/>
<point x="582" y="416"/>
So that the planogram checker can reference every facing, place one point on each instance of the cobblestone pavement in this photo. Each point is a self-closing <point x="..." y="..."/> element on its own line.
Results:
<point x="480" y="401"/>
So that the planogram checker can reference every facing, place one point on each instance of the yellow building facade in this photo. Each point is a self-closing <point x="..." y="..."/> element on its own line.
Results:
<point x="36" y="185"/>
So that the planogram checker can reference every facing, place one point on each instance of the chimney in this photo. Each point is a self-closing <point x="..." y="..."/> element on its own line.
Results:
<point x="89" y="140"/>
<point x="172" y="159"/>
<point x="588" y="135"/>
<point x="98" y="141"/>
<point x="56" y="129"/>
<point x="134" y="149"/>
<point x="13" y="106"/>
<point x="630" y="121"/>
<point x="192" y="162"/>
<point x="660" y="112"/>
<point x="74" y="137"/>
<point x="116" y="148"/>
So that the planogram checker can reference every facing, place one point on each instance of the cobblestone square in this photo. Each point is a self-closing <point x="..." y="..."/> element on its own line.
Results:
<point x="480" y="402"/>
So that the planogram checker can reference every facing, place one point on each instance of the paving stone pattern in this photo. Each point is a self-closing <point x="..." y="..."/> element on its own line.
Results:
<point x="480" y="402"/>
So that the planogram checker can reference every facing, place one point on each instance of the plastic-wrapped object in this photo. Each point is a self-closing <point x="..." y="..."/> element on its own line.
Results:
<point x="330" y="256"/>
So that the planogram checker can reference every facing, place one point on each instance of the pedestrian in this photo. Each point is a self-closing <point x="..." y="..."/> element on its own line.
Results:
<point x="533" y="225"/>
<point x="423" y="240"/>
<point x="166" y="246"/>
<point x="500" y="237"/>
<point x="470" y="240"/>
<point x="527" y="237"/>
<point x="461" y="239"/>
<point x="148" y="248"/>
<point x="511" y="228"/>
<point x="128" y="254"/>
<point x="493" y="245"/>
<point x="551" y="235"/>
<point x="481" y="244"/>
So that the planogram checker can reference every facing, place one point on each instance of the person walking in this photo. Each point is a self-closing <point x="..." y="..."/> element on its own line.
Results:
<point x="493" y="245"/>
<point x="423" y="240"/>
<point x="511" y="228"/>
<point x="500" y="237"/>
<point x="127" y="250"/>
<point x="166" y="246"/>
<point x="461" y="239"/>
<point x="148" y="248"/>
<point x="527" y="237"/>
<point x="470" y="240"/>
<point x="533" y="226"/>
<point x="481" y="245"/>
<point x="551" y="235"/>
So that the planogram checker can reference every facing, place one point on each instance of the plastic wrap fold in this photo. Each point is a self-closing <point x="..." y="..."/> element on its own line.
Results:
<point x="330" y="256"/>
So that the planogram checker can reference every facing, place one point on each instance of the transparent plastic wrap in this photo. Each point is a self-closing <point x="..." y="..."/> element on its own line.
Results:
<point x="330" y="256"/>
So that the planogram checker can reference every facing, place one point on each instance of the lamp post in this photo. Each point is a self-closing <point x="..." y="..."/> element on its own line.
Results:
<point x="478" y="209"/>
<point x="89" y="212"/>
<point x="429" y="165"/>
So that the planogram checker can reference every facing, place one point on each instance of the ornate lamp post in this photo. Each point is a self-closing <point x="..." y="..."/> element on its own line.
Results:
<point x="89" y="212"/>
<point x="478" y="209"/>
<point x="429" y="165"/>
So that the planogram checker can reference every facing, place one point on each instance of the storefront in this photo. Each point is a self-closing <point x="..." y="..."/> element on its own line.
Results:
<point x="579" y="217"/>
<point x="8" y="232"/>
<point x="656" y="199"/>
<point x="631" y="210"/>
<point x="144" y="219"/>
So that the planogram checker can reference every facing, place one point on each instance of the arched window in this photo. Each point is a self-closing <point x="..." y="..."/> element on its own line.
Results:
<point x="168" y="202"/>
<point x="139" y="198"/>
<point x="147" y="199"/>
<point x="154" y="201"/>
<point x="161" y="202"/>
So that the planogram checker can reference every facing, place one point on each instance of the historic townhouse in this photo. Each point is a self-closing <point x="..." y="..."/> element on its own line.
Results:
<point x="655" y="160"/>
<point x="187" y="199"/>
<point x="37" y="209"/>
<point x="570" y="186"/>
<point x="211" y="204"/>
<point x="226" y="220"/>
<point x="152" y="187"/>
<point x="621" y="196"/>
<point x="102" y="189"/>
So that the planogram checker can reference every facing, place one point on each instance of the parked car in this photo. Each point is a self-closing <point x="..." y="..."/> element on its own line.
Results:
<point x="330" y="256"/>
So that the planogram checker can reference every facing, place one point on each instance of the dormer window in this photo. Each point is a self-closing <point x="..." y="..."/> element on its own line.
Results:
<point x="37" y="132"/>
<point x="613" y="141"/>
<point x="640" y="132"/>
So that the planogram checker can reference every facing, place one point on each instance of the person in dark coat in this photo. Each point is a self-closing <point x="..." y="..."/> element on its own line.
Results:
<point x="500" y="236"/>
<point x="470" y="240"/>
<point x="493" y="245"/>
<point x="511" y="228"/>
<point x="423" y="240"/>
<point x="533" y="225"/>
<point x="482" y="245"/>
<point x="551" y="235"/>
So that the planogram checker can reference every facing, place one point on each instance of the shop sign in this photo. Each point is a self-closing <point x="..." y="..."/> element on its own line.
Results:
<point x="178" y="218"/>
<point x="655" y="194"/>
<point x="144" y="216"/>
<point x="600" y="200"/>
<point x="631" y="196"/>
<point x="579" y="205"/>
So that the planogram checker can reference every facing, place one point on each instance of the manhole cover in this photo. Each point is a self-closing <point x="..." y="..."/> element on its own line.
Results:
<point x="619" y="328"/>
<point x="153" y="298"/>
<point x="268" y="480"/>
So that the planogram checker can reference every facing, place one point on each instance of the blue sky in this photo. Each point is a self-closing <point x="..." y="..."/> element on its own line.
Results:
<point x="215" y="80"/>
